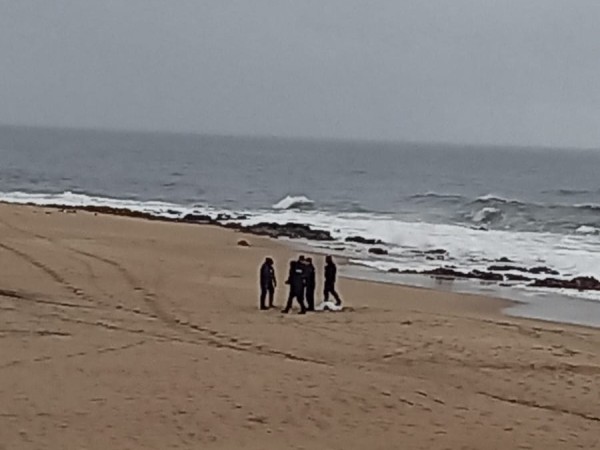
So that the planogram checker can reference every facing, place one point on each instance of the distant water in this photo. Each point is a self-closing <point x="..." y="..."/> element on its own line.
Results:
<point x="534" y="206"/>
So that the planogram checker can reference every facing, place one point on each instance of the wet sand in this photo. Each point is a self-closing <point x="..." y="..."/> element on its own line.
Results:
<point x="130" y="334"/>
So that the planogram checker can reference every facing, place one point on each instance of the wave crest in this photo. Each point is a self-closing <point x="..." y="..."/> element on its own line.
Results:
<point x="586" y="229"/>
<point x="293" y="202"/>
<point x="487" y="215"/>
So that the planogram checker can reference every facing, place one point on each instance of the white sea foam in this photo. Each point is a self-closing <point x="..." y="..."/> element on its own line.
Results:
<point x="158" y="208"/>
<point x="468" y="248"/>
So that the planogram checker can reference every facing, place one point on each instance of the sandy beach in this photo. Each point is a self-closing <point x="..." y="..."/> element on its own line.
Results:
<point x="129" y="334"/>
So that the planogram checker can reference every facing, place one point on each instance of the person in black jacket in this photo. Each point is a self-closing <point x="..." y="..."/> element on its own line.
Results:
<point x="330" y="279"/>
<point x="296" y="283"/>
<point x="268" y="283"/>
<point x="310" y="284"/>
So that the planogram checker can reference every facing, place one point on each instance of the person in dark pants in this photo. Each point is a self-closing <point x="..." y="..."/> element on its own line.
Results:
<point x="268" y="283"/>
<point x="310" y="284"/>
<point x="302" y="265"/>
<point x="296" y="283"/>
<point x="330" y="279"/>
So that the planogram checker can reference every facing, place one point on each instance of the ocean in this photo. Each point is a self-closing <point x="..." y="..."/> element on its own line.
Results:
<point x="534" y="207"/>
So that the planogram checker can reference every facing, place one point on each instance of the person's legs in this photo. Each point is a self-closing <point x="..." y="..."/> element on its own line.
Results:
<point x="338" y="300"/>
<point x="288" y="305"/>
<point x="330" y="289"/>
<point x="263" y="296"/>
<point x="300" y="298"/>
<point x="326" y="293"/>
<point x="271" y="296"/>
<point x="310" y="298"/>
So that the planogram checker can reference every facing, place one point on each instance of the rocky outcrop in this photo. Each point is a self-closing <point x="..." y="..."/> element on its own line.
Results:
<point x="199" y="218"/>
<point x="446" y="272"/>
<point x="436" y="251"/>
<point x="579" y="283"/>
<point x="516" y="277"/>
<point x="499" y="268"/>
<point x="289" y="230"/>
<point x="378" y="251"/>
<point x="205" y="218"/>
<point x="362" y="240"/>
<point x="488" y="276"/>
<point x="504" y="259"/>
<point x="440" y="272"/>
<point x="274" y="230"/>
<point x="544" y="270"/>
<point x="533" y="270"/>
<point x="453" y="273"/>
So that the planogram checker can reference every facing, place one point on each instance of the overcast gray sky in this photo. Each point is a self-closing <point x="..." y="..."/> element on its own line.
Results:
<point x="483" y="71"/>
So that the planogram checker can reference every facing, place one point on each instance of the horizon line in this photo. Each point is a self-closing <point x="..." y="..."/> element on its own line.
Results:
<point x="331" y="139"/>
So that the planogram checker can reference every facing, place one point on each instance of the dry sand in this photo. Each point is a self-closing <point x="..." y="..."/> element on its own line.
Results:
<point x="118" y="333"/>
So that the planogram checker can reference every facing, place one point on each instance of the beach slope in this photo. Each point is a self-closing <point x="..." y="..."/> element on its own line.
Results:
<point x="123" y="333"/>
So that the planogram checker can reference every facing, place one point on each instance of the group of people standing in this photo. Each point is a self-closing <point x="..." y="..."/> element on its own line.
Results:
<point x="302" y="284"/>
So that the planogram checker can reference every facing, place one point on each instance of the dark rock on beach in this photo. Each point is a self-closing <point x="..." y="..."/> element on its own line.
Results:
<point x="579" y="283"/>
<point x="504" y="259"/>
<point x="489" y="276"/>
<point x="544" y="270"/>
<point x="452" y="273"/>
<point x="198" y="218"/>
<point x="394" y="270"/>
<point x="516" y="277"/>
<point x="534" y="270"/>
<point x="444" y="272"/>
<point x="378" y="251"/>
<point x="289" y="230"/>
<point x="436" y="251"/>
<point x="498" y="268"/>
<point x="362" y="240"/>
<point x="243" y="243"/>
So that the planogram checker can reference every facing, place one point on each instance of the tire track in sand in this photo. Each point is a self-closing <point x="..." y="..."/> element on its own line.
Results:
<point x="208" y="336"/>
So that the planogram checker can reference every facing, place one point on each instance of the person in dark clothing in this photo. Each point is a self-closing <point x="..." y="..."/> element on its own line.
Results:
<point x="296" y="283"/>
<point x="302" y="265"/>
<point x="330" y="279"/>
<point x="268" y="283"/>
<point x="310" y="284"/>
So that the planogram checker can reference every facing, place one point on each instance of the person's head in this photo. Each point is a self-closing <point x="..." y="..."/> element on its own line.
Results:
<point x="309" y="261"/>
<point x="301" y="259"/>
<point x="293" y="264"/>
<point x="329" y="259"/>
<point x="269" y="261"/>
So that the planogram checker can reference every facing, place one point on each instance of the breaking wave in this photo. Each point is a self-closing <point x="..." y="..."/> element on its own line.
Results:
<point x="293" y="202"/>
<point x="586" y="229"/>
<point x="487" y="215"/>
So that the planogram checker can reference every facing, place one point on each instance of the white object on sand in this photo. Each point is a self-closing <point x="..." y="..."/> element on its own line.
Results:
<point x="329" y="306"/>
